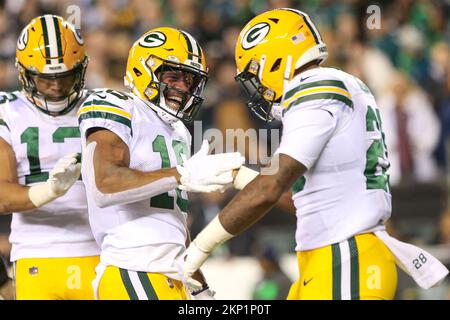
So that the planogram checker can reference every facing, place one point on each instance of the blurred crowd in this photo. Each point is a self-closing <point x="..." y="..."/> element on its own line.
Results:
<point x="402" y="54"/>
<point x="405" y="61"/>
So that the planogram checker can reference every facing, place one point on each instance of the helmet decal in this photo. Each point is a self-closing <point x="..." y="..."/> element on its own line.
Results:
<point x="255" y="35"/>
<point x="153" y="40"/>
<point x="76" y="32"/>
<point x="78" y="36"/>
<point x="23" y="40"/>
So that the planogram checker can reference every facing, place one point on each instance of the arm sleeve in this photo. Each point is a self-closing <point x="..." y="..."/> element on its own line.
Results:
<point x="5" y="131"/>
<point x="103" y="200"/>
<point x="305" y="134"/>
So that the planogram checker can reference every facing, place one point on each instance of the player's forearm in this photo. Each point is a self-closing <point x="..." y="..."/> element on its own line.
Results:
<point x="122" y="187"/>
<point x="286" y="203"/>
<point x="117" y="179"/>
<point x="251" y="204"/>
<point x="14" y="198"/>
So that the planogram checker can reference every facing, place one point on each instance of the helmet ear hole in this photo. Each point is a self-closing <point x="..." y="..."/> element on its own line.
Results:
<point x="137" y="72"/>
<point x="276" y="65"/>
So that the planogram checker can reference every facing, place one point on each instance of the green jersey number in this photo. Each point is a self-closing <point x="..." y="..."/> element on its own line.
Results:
<point x="10" y="97"/>
<point x="377" y="162"/>
<point x="164" y="200"/>
<point x="31" y="137"/>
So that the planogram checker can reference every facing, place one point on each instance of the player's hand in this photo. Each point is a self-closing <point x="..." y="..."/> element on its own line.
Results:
<point x="61" y="178"/>
<point x="65" y="173"/>
<point x="204" y="294"/>
<point x="208" y="173"/>
<point x="193" y="261"/>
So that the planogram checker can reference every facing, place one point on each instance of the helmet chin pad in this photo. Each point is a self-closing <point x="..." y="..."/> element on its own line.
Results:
<point x="59" y="107"/>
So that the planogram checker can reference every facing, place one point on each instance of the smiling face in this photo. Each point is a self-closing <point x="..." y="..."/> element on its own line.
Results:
<point x="179" y="86"/>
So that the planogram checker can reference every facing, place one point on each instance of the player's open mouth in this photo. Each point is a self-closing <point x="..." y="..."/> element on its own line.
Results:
<point x="174" y="101"/>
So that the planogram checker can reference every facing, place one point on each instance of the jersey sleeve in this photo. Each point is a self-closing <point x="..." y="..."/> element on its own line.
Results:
<point x="305" y="134"/>
<point x="312" y="112"/>
<point x="5" y="131"/>
<point x="106" y="111"/>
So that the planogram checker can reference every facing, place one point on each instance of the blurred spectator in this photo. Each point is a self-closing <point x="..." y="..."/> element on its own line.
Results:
<point x="443" y="232"/>
<point x="412" y="131"/>
<point x="274" y="284"/>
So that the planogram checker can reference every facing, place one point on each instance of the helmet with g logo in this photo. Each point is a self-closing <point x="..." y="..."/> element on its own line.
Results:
<point x="51" y="48"/>
<point x="160" y="50"/>
<point x="268" y="51"/>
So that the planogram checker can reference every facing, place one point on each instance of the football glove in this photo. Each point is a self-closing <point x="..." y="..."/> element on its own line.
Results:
<point x="208" y="173"/>
<point x="61" y="178"/>
<point x="204" y="293"/>
<point x="200" y="248"/>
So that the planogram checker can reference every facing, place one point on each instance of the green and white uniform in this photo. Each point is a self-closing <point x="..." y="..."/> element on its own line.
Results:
<point x="331" y="124"/>
<point x="147" y="235"/>
<point x="61" y="227"/>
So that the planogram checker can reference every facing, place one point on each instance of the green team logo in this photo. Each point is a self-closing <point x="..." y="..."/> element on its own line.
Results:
<point x="23" y="40"/>
<point x="255" y="35"/>
<point x="153" y="40"/>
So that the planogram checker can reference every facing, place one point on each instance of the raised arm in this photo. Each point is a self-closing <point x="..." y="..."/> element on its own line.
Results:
<point x="246" y="208"/>
<point x="111" y="165"/>
<point x="260" y="195"/>
<point x="15" y="197"/>
<point x="106" y="161"/>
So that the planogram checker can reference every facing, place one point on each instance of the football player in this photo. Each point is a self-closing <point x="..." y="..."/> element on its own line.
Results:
<point x="137" y="168"/>
<point x="333" y="157"/>
<point x="53" y="249"/>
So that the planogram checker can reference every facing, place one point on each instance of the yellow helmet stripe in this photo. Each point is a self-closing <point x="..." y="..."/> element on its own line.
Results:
<point x="46" y="42"/>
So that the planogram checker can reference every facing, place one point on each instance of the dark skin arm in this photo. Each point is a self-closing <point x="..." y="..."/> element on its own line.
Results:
<point x="260" y="195"/>
<point x="13" y="196"/>
<point x="111" y="164"/>
<point x="286" y="203"/>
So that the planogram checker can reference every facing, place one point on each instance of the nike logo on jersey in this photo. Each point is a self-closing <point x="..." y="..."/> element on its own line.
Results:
<point x="305" y="282"/>
<point x="303" y="79"/>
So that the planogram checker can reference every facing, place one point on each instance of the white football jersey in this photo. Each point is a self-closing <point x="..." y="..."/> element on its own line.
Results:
<point x="147" y="235"/>
<point x="331" y="124"/>
<point x="61" y="227"/>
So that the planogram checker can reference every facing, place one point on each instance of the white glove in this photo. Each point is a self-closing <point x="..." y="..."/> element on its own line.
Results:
<point x="200" y="248"/>
<point x="194" y="260"/>
<point x="208" y="173"/>
<point x="205" y="294"/>
<point x="61" y="178"/>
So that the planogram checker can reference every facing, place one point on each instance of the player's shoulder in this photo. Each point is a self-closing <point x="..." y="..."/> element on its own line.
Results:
<point x="9" y="97"/>
<point x="104" y="100"/>
<point x="316" y="79"/>
<point x="318" y="87"/>
<point x="13" y="105"/>
<point x="107" y="97"/>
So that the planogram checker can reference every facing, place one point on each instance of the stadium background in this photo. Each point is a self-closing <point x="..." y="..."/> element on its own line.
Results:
<point x="404" y="61"/>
